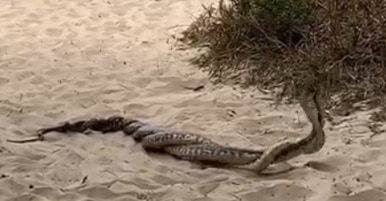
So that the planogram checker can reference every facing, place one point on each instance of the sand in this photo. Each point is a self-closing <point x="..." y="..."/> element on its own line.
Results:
<point x="74" y="59"/>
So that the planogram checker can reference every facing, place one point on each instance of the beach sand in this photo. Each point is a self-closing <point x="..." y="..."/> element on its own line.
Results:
<point x="77" y="59"/>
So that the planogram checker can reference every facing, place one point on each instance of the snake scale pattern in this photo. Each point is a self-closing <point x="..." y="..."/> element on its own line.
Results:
<point x="195" y="147"/>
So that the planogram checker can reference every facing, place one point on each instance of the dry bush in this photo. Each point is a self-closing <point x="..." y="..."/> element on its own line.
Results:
<point x="340" y="44"/>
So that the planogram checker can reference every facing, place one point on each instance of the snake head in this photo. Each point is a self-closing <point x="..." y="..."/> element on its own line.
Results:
<point x="143" y="131"/>
<point x="131" y="126"/>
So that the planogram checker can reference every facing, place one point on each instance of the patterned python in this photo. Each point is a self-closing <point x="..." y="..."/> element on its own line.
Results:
<point x="194" y="147"/>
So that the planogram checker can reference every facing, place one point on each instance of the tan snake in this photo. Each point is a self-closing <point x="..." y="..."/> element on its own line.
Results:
<point x="195" y="147"/>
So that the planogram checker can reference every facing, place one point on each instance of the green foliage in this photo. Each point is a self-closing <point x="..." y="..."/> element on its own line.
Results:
<point x="340" y="44"/>
<point x="288" y="11"/>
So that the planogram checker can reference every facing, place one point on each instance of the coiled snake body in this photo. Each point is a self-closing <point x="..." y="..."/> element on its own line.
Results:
<point x="194" y="147"/>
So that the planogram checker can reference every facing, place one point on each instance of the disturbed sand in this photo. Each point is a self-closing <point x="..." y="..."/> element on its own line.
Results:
<point x="65" y="60"/>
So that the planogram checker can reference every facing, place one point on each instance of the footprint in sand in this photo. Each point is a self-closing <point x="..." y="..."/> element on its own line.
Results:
<point x="291" y="192"/>
<point x="366" y="195"/>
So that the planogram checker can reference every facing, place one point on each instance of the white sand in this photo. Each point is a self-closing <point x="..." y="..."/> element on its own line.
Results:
<point x="69" y="59"/>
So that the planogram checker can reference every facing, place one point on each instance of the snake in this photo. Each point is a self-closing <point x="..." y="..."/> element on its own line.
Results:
<point x="195" y="147"/>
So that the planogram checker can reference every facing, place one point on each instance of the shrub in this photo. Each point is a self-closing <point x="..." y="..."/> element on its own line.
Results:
<point x="339" y="44"/>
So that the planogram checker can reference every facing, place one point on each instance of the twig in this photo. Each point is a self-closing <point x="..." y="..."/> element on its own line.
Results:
<point x="39" y="138"/>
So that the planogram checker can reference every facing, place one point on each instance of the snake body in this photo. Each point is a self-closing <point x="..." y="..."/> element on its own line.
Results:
<point x="187" y="145"/>
<point x="195" y="147"/>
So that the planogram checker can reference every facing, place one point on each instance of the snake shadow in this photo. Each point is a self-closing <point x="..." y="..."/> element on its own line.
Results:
<point x="279" y="171"/>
